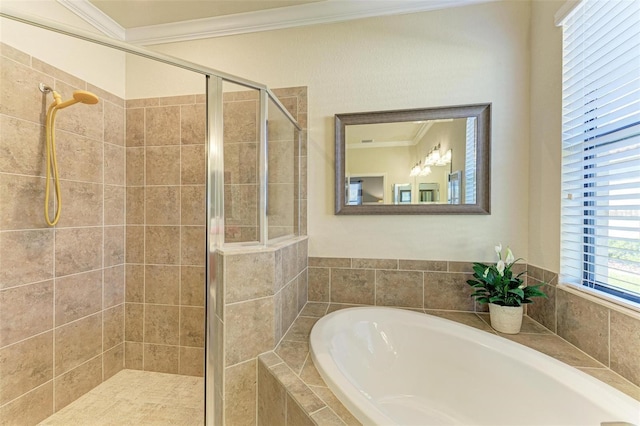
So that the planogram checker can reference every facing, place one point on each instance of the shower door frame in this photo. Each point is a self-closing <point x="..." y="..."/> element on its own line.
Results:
<point x="214" y="167"/>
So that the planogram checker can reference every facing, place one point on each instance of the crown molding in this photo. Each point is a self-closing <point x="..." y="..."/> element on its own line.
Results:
<point x="265" y="20"/>
<point x="94" y="16"/>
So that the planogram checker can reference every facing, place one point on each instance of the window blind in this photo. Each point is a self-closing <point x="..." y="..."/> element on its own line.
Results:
<point x="470" y="163"/>
<point x="601" y="147"/>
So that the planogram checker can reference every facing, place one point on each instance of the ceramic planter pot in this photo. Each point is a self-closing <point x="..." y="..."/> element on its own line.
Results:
<point x="506" y="319"/>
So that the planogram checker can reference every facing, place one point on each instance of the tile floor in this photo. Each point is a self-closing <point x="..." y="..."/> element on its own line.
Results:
<point x="134" y="397"/>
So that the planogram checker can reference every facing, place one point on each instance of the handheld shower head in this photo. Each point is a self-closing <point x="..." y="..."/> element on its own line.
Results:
<point x="79" y="96"/>
<point x="85" y="97"/>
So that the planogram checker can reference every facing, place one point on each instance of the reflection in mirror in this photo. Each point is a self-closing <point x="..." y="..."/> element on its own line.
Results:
<point x="433" y="160"/>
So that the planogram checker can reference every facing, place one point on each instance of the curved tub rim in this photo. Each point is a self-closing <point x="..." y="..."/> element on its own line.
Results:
<point x="360" y="406"/>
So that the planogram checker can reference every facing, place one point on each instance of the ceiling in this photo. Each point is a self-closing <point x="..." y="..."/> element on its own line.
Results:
<point x="146" y="22"/>
<point x="130" y="14"/>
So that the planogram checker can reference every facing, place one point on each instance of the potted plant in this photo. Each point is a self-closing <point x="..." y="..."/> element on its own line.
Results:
<point x="505" y="293"/>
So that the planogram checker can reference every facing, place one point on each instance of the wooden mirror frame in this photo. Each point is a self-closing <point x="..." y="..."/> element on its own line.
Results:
<point x="482" y="113"/>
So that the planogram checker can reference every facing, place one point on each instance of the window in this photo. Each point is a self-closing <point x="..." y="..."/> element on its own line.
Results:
<point x="601" y="147"/>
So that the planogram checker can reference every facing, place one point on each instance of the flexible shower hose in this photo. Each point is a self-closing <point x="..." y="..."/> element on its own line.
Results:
<point x="52" y="166"/>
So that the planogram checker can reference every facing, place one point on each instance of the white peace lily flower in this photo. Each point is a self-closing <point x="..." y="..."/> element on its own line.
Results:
<point x="510" y="258"/>
<point x="498" y="250"/>
<point x="523" y="285"/>
<point x="500" y="267"/>
<point x="486" y="272"/>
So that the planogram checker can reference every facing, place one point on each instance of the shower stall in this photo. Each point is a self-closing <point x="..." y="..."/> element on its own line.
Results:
<point x="180" y="254"/>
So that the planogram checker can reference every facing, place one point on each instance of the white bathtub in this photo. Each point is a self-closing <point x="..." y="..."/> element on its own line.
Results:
<point x="397" y="367"/>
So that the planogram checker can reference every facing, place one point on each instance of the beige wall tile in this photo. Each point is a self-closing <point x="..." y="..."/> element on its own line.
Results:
<point x="77" y="296"/>
<point x="289" y="262"/>
<point x="79" y="158"/>
<point x="134" y="289"/>
<point x="161" y="358"/>
<point x="25" y="311"/>
<point x="141" y="103"/>
<point x="192" y="205"/>
<point x="114" y="123"/>
<point x="25" y="257"/>
<point x="353" y="286"/>
<point x="133" y="355"/>
<point x="240" y="121"/>
<point x="423" y="265"/>
<point x="330" y="262"/>
<point x="544" y="310"/>
<point x="58" y="74"/>
<point x="162" y="284"/>
<point x="293" y="353"/>
<point x="82" y="204"/>
<point x="374" y="264"/>
<point x="280" y="209"/>
<point x="162" y="165"/>
<point x="296" y="415"/>
<point x="135" y="205"/>
<point x="22" y="150"/>
<point x="625" y="346"/>
<point x="249" y="329"/>
<point x="114" y="245"/>
<point x="112" y="327"/>
<point x="77" y="342"/>
<point x="193" y="245"/>
<point x="133" y="322"/>
<point x="30" y="408"/>
<point x="20" y="96"/>
<point x="114" y="165"/>
<point x="162" y="125"/>
<point x="303" y="291"/>
<point x="289" y="304"/>
<point x="26" y="211"/>
<point x="240" y="394"/>
<point x="75" y="383"/>
<point x="242" y="286"/>
<point x="241" y="205"/>
<point x="193" y="124"/>
<point x="271" y="399"/>
<point x="241" y="163"/>
<point x="584" y="324"/>
<point x="191" y="361"/>
<point x="301" y="329"/>
<point x="113" y="361"/>
<point x="281" y="160"/>
<point x="297" y="388"/>
<point x="134" y="134"/>
<point x="134" y="244"/>
<point x="555" y="347"/>
<point x="332" y="402"/>
<point x="162" y="205"/>
<point x="465" y="267"/>
<point x="326" y="417"/>
<point x="192" y="326"/>
<point x="78" y="250"/>
<point x="193" y="165"/>
<point x="161" y="325"/>
<point x="450" y="291"/>
<point x="162" y="245"/>
<point x="114" y="205"/>
<point x="25" y="365"/>
<point x="135" y="166"/>
<point x="9" y="52"/>
<point x="192" y="285"/>
<point x="319" y="284"/>
<point x="113" y="286"/>
<point x="399" y="288"/>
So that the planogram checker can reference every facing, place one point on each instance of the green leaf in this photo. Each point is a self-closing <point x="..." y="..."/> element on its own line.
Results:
<point x="517" y="291"/>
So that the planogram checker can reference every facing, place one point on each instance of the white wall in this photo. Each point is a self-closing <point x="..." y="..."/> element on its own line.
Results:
<point x="96" y="64"/>
<point x="458" y="56"/>
<point x="545" y="154"/>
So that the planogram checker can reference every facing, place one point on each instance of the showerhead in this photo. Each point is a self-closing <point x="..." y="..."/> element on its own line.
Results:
<point x="79" y="96"/>
<point x="85" y="97"/>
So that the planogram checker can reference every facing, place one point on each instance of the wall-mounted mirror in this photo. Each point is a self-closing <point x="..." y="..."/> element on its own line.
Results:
<point x="418" y="161"/>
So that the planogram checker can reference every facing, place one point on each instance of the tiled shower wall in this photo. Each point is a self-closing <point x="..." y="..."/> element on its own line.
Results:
<point x="610" y="335"/>
<point x="62" y="288"/>
<point x="165" y="200"/>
